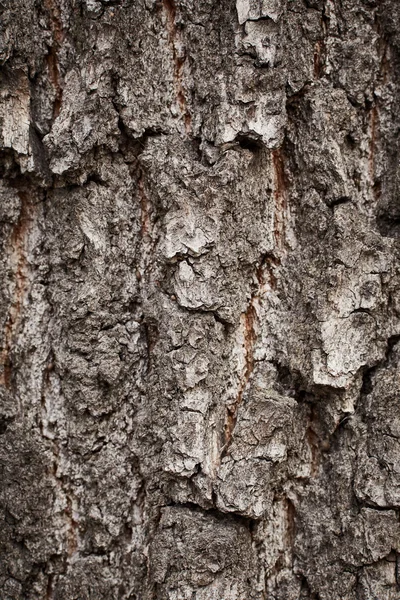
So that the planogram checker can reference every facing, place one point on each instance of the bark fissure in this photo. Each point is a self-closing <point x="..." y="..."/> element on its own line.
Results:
<point x="179" y="60"/>
<point x="200" y="324"/>
<point x="248" y="322"/>
<point x="280" y="198"/>
<point x="19" y="264"/>
<point x="62" y="483"/>
<point x="53" y="54"/>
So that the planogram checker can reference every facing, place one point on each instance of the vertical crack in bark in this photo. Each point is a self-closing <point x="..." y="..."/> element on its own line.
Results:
<point x="19" y="263"/>
<point x="285" y="552"/>
<point x="383" y="75"/>
<point x="268" y="264"/>
<point x="373" y="138"/>
<point x="148" y="242"/>
<point x="385" y="64"/>
<point x="313" y="443"/>
<point x="52" y="57"/>
<point x="43" y="430"/>
<point x="71" y="524"/>
<point x="72" y="537"/>
<point x="45" y="384"/>
<point x="290" y="526"/>
<point x="249" y="317"/>
<point x="318" y="440"/>
<point x="50" y="587"/>
<point x="318" y="58"/>
<point x="145" y="209"/>
<point x="320" y="48"/>
<point x="146" y="226"/>
<point x="248" y="321"/>
<point x="280" y="199"/>
<point x="179" y="58"/>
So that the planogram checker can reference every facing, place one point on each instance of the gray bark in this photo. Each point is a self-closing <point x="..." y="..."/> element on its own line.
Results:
<point x="200" y="308"/>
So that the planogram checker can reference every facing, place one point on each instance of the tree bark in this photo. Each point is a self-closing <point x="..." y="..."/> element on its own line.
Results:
<point x="200" y="310"/>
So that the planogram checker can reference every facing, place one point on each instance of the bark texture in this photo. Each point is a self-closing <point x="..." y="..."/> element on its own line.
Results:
<point x="200" y="301"/>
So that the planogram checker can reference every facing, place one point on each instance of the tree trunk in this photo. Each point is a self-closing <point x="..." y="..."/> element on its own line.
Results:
<point x="200" y="229"/>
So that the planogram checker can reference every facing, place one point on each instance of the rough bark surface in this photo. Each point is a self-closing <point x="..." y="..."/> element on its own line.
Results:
<point x="200" y="301"/>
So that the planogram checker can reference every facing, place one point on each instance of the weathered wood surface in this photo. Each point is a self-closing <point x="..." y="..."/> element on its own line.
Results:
<point x="200" y="309"/>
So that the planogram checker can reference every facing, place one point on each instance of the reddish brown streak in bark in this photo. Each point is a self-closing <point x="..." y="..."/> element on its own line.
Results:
<point x="319" y="50"/>
<point x="179" y="61"/>
<point x="280" y="198"/>
<point x="249" y="320"/>
<point x="52" y="57"/>
<point x="250" y="316"/>
<point x="18" y="243"/>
